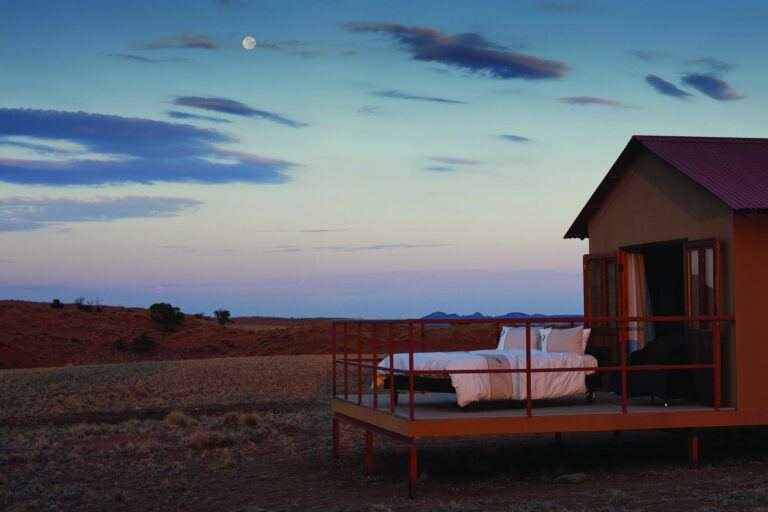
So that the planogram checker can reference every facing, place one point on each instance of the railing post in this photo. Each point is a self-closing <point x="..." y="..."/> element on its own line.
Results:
<point x="344" y="332"/>
<point x="333" y="363"/>
<point x="411" y="380"/>
<point x="359" y="363"/>
<point x="716" y="364"/>
<point x="423" y="338"/>
<point x="623" y="348"/>
<point x="528" y="398"/>
<point x="375" y="361"/>
<point x="392" y="391"/>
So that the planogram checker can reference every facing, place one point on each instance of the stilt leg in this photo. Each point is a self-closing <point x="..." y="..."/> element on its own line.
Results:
<point x="413" y="471"/>
<point x="369" y="451"/>
<point x="693" y="449"/>
<point x="558" y="438"/>
<point x="336" y="450"/>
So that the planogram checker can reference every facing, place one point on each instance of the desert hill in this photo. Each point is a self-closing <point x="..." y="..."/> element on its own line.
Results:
<point x="33" y="334"/>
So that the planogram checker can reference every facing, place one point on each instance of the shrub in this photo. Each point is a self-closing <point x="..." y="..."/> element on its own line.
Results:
<point x="88" y="306"/>
<point x="222" y="315"/>
<point x="57" y="304"/>
<point x="177" y="419"/>
<point x="142" y="344"/>
<point x="165" y="314"/>
<point x="120" y="344"/>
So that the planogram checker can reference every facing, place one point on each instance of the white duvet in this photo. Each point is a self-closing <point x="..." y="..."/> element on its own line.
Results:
<point x="474" y="387"/>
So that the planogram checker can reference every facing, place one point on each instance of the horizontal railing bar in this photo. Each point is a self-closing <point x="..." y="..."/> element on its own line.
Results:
<point x="544" y="320"/>
<point x="639" y="368"/>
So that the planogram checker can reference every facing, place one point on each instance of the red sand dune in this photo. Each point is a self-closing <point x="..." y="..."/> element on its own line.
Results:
<point x="32" y="334"/>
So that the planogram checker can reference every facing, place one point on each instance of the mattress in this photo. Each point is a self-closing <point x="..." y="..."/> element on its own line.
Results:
<point x="475" y="387"/>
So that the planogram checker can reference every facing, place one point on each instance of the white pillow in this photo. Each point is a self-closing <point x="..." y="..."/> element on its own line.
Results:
<point x="566" y="340"/>
<point x="584" y="338"/>
<point x="514" y="337"/>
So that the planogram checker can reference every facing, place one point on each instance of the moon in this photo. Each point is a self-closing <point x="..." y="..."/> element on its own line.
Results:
<point x="249" y="43"/>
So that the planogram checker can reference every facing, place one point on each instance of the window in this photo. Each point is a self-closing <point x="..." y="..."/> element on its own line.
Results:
<point x="600" y="285"/>
<point x="702" y="280"/>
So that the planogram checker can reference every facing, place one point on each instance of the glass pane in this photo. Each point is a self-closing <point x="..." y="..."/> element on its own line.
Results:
<point x="610" y="290"/>
<point x="709" y="282"/>
<point x="595" y="289"/>
<point x="695" y="297"/>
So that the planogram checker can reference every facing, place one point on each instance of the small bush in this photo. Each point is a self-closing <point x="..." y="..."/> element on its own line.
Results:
<point x="222" y="315"/>
<point x="121" y="344"/>
<point x="57" y="304"/>
<point x="142" y="344"/>
<point x="88" y="306"/>
<point x="165" y="314"/>
<point x="177" y="419"/>
<point x="202" y="439"/>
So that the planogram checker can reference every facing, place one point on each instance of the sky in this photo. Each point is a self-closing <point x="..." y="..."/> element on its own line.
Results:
<point x="365" y="159"/>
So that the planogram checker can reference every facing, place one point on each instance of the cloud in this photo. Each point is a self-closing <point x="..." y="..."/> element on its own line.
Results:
<point x="179" y="248"/>
<point x="28" y="214"/>
<point x="469" y="51"/>
<point x="195" y="117"/>
<point x="666" y="88"/>
<point x="562" y="6"/>
<point x="131" y="57"/>
<point x="128" y="150"/>
<point x="355" y="248"/>
<point x="593" y="100"/>
<point x="235" y="108"/>
<point x="185" y="41"/>
<point x="712" y="86"/>
<point x="514" y="138"/>
<point x="454" y="161"/>
<point x="711" y="64"/>
<point x="400" y="95"/>
<point x="323" y="230"/>
<point x="439" y="168"/>
<point x="368" y="109"/>
<point x="647" y="55"/>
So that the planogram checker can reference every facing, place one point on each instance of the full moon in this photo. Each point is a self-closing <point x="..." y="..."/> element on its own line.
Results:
<point x="249" y="43"/>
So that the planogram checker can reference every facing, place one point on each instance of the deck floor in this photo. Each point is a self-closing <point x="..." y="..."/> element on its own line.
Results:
<point x="443" y="406"/>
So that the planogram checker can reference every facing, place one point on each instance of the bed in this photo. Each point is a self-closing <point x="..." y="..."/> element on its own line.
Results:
<point x="478" y="387"/>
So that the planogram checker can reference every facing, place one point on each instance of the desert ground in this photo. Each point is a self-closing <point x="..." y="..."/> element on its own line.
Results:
<point x="182" y="429"/>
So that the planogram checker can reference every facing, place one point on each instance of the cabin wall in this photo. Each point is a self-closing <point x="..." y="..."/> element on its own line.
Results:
<point x="655" y="202"/>
<point x="751" y="260"/>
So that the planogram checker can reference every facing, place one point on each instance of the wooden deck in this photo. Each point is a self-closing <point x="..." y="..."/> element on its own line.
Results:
<point x="437" y="414"/>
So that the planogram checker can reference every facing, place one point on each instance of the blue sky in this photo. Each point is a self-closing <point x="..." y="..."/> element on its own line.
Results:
<point x="365" y="159"/>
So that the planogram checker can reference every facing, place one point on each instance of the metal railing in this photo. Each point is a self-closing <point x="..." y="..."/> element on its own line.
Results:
<point x="377" y="328"/>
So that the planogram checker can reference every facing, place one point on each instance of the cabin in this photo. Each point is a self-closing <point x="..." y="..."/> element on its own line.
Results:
<point x="674" y="290"/>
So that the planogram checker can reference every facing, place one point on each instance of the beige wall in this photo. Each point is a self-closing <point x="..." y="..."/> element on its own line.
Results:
<point x="654" y="202"/>
<point x="751" y="283"/>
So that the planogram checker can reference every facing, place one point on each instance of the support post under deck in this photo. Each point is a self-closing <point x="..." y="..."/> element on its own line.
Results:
<point x="413" y="471"/>
<point x="693" y="449"/>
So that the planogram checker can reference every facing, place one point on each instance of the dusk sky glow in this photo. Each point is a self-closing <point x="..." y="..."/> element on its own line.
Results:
<point x="377" y="159"/>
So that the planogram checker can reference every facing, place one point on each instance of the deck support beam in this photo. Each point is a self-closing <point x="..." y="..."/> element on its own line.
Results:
<point x="413" y="471"/>
<point x="693" y="449"/>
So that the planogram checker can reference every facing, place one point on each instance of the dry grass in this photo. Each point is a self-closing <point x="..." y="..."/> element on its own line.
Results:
<point x="35" y="393"/>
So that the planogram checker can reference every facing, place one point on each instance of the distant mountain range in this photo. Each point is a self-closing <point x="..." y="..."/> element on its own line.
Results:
<point x="440" y="315"/>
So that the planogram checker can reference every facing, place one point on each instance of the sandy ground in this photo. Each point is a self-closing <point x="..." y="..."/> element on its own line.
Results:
<point x="253" y="434"/>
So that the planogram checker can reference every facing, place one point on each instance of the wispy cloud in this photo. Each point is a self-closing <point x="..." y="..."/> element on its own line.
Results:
<point x="355" y="248"/>
<point x="666" y="88"/>
<point x="514" y="138"/>
<point x="712" y="86"/>
<point x="562" y="6"/>
<point x="400" y="95"/>
<point x="368" y="109"/>
<point x="179" y="248"/>
<point x="195" y="117"/>
<point x="647" y="55"/>
<point x="132" y="57"/>
<point x="323" y="230"/>
<point x="439" y="168"/>
<point x="185" y="41"/>
<point x="454" y="160"/>
<point x="711" y="65"/>
<point x="236" y="108"/>
<point x="469" y="52"/>
<point x="594" y="100"/>
<point x="29" y="214"/>
<point x="128" y="150"/>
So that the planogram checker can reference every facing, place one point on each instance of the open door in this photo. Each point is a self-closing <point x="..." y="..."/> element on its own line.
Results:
<point x="702" y="298"/>
<point x="601" y="299"/>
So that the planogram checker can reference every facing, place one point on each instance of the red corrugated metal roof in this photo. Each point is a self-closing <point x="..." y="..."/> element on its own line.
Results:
<point x="734" y="169"/>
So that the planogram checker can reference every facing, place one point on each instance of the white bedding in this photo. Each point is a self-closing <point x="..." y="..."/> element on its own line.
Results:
<point x="473" y="387"/>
